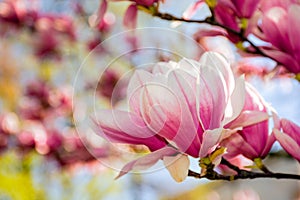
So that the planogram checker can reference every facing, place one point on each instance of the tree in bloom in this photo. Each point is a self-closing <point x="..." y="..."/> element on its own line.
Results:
<point x="181" y="122"/>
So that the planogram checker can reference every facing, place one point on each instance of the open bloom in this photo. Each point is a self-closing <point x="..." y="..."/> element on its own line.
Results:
<point x="176" y="108"/>
<point x="289" y="138"/>
<point x="280" y="27"/>
<point x="252" y="141"/>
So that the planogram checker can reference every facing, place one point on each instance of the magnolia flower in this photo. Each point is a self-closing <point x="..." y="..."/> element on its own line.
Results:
<point x="280" y="27"/>
<point x="177" y="109"/>
<point x="237" y="15"/>
<point x="252" y="141"/>
<point x="289" y="138"/>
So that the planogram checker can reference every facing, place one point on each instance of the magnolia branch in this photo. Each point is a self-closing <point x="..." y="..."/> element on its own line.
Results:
<point x="241" y="174"/>
<point x="209" y="20"/>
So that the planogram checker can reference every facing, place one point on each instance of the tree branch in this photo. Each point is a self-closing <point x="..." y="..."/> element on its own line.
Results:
<point x="243" y="174"/>
<point x="209" y="20"/>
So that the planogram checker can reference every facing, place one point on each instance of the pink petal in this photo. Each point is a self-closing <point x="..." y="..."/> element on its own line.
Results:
<point x="214" y="88"/>
<point x="124" y="127"/>
<point x="137" y="82"/>
<point x="288" y="143"/>
<point x="257" y="136"/>
<point x="168" y="115"/>
<point x="130" y="18"/>
<point x="284" y="58"/>
<point x="207" y="32"/>
<point x="162" y="113"/>
<point x="247" y="118"/>
<point x="145" y="2"/>
<point x="275" y="26"/>
<point x="292" y="129"/>
<point x="211" y="100"/>
<point x="269" y="144"/>
<point x="236" y="145"/>
<point x="192" y="9"/>
<point x="267" y="5"/>
<point x="96" y="19"/>
<point x="294" y="29"/>
<point x="186" y="138"/>
<point x="226" y="16"/>
<point x="102" y="9"/>
<point x="147" y="161"/>
<point x="190" y="67"/>
<point x="254" y="101"/>
<point x="219" y="62"/>
<point x="163" y="67"/>
<point x="246" y="8"/>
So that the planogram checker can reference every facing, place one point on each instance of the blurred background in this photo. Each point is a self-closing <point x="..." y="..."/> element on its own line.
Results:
<point x="59" y="64"/>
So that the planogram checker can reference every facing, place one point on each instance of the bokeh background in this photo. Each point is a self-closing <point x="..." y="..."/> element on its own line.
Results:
<point x="58" y="65"/>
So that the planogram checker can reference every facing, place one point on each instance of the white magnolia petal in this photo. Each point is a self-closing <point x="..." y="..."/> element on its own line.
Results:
<point x="236" y="101"/>
<point x="178" y="166"/>
<point x="147" y="161"/>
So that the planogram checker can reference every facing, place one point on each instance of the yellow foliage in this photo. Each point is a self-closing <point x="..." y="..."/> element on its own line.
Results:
<point x="16" y="181"/>
<point x="9" y="88"/>
<point x="201" y="192"/>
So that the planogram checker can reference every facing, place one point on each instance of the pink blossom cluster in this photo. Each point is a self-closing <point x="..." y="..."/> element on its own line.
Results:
<point x="276" y="23"/>
<point x="260" y="27"/>
<point x="204" y="107"/>
<point x="43" y="122"/>
<point x="50" y="29"/>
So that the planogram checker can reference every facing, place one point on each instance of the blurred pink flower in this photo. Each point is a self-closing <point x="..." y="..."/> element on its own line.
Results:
<point x="285" y="4"/>
<point x="101" y="19"/>
<point x="17" y="13"/>
<point x="50" y="30"/>
<point x="130" y="18"/>
<point x="252" y="141"/>
<point x="280" y="27"/>
<point x="177" y="108"/>
<point x="107" y="86"/>
<point x="240" y="8"/>
<point x="237" y="15"/>
<point x="289" y="138"/>
<point x="9" y="123"/>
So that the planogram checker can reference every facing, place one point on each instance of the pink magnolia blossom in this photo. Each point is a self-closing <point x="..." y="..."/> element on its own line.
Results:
<point x="17" y="13"/>
<point x="240" y="8"/>
<point x="251" y="141"/>
<point x="237" y="15"/>
<point x="285" y="4"/>
<point x="101" y="19"/>
<point x="289" y="137"/>
<point x="130" y="18"/>
<point x="177" y="108"/>
<point x="280" y="27"/>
